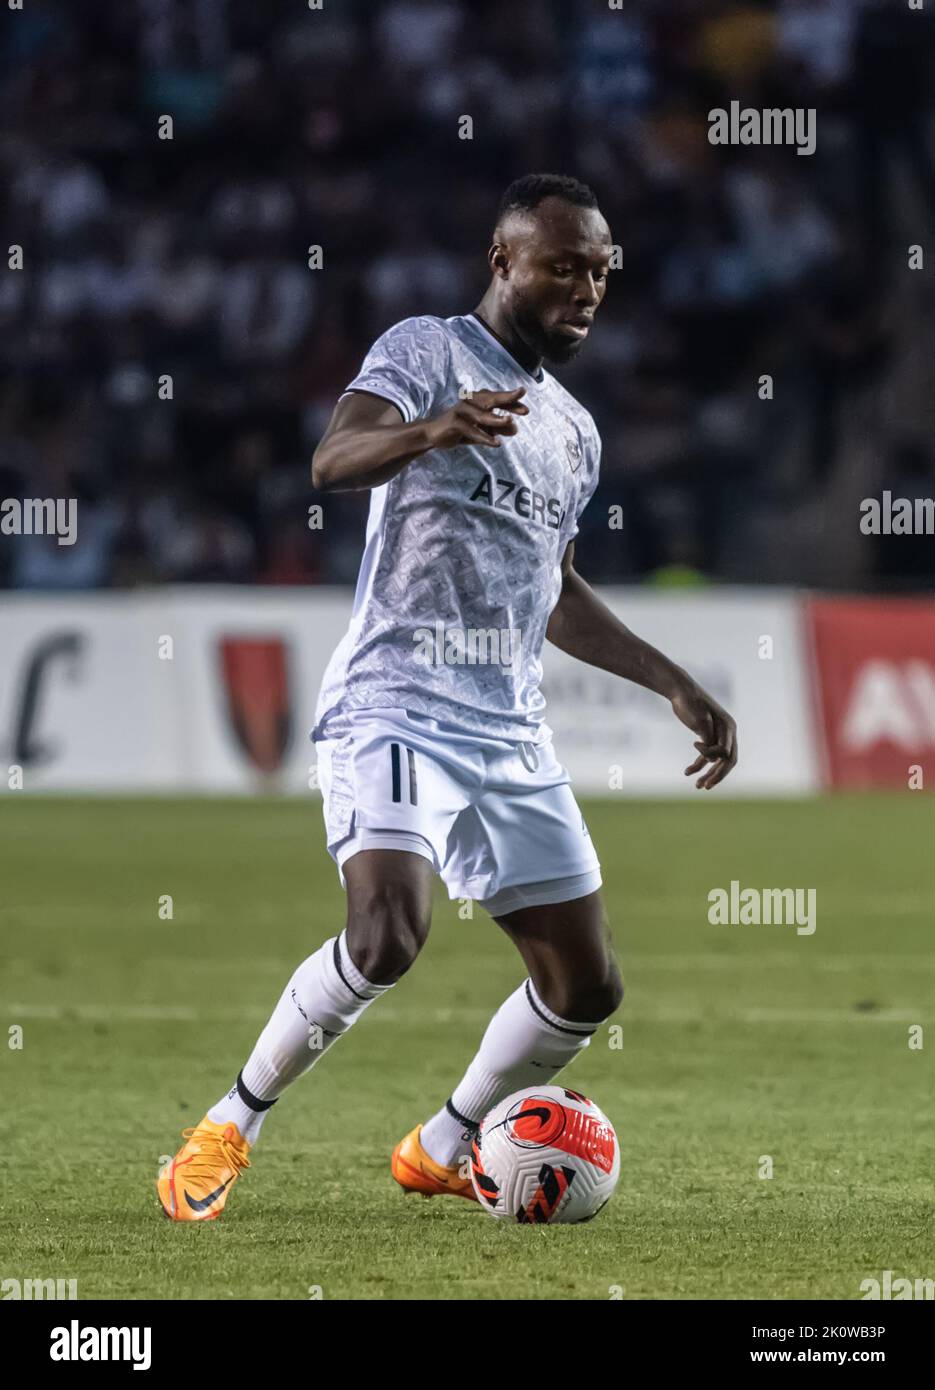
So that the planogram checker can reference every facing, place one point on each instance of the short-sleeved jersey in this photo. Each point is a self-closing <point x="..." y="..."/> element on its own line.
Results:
<point x="462" y="563"/>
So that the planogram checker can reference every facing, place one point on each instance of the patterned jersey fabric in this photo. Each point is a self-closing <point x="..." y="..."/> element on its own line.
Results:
<point x="462" y="563"/>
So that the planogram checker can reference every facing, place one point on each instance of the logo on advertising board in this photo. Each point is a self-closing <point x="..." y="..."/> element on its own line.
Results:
<point x="43" y="664"/>
<point x="259" y="704"/>
<point x="875" y="661"/>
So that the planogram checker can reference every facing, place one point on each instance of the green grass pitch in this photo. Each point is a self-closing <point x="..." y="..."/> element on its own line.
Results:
<point x="738" y="1043"/>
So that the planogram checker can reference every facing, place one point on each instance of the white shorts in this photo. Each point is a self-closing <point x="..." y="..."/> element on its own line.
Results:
<point x="497" y="820"/>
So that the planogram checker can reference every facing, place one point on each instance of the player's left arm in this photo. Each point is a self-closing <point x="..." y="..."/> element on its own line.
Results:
<point x="585" y="628"/>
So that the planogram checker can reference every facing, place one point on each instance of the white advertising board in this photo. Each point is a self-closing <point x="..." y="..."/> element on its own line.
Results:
<point x="213" y="690"/>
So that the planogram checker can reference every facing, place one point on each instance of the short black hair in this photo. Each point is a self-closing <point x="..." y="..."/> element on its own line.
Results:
<point x="528" y="192"/>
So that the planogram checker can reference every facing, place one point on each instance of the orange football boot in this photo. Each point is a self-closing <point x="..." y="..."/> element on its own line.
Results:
<point x="415" y="1171"/>
<point x="195" y="1185"/>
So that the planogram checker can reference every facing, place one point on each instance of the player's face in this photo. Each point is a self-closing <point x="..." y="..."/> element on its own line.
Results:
<point x="558" y="276"/>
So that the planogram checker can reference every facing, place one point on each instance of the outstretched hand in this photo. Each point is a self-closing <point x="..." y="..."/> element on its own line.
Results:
<point x="717" y="735"/>
<point x="478" y="418"/>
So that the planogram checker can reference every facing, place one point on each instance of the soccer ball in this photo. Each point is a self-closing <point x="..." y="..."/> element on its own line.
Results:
<point x="545" y="1155"/>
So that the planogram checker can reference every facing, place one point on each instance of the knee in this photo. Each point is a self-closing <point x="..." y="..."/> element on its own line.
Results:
<point x="386" y="930"/>
<point x="588" y="1000"/>
<point x="613" y="994"/>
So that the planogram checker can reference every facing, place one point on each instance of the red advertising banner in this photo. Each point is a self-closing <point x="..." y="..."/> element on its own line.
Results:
<point x="875" y="678"/>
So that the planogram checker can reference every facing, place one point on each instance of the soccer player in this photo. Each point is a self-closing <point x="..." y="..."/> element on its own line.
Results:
<point x="432" y="749"/>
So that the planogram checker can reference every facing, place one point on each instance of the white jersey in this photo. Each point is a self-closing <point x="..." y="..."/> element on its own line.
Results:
<point x="462" y="564"/>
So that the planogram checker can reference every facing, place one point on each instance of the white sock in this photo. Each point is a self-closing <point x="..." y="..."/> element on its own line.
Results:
<point x="324" y="997"/>
<point x="525" y="1044"/>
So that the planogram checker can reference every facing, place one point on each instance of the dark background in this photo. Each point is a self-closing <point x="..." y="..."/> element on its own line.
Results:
<point x="340" y="128"/>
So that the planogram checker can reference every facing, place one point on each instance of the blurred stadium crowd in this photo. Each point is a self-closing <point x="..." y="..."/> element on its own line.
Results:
<point x="339" y="128"/>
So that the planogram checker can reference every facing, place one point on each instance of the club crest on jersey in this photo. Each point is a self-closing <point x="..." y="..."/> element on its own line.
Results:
<point x="573" y="450"/>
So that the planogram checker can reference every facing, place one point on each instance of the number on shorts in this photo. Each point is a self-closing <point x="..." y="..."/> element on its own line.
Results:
<point x="396" y="763"/>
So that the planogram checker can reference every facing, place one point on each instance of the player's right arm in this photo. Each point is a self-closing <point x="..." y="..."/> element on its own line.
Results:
<point x="367" y="441"/>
